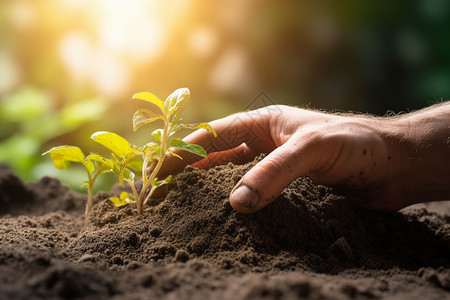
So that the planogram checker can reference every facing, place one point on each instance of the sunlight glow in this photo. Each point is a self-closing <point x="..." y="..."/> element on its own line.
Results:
<point x="76" y="53"/>
<point x="21" y="14"/>
<point x="9" y="72"/>
<point x="85" y="62"/>
<point x="203" y="41"/>
<point x="130" y="29"/>
<point x="114" y="37"/>
<point x="233" y="72"/>
<point x="110" y="74"/>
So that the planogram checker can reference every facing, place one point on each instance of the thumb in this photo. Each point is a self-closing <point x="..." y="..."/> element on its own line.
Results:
<point x="267" y="179"/>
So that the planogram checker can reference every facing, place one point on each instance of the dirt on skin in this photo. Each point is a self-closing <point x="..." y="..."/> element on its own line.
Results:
<point x="309" y="244"/>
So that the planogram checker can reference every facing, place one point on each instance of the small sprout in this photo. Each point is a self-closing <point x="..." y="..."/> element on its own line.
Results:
<point x="169" y="112"/>
<point x="62" y="156"/>
<point x="124" y="199"/>
<point x="128" y="161"/>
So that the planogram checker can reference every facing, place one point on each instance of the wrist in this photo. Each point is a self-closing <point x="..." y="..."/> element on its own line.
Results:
<point x="421" y="139"/>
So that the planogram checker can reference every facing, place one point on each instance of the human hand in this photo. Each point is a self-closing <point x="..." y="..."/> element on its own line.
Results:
<point x="362" y="154"/>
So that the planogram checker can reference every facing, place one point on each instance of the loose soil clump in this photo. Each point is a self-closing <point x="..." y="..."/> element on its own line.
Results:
<point x="311" y="243"/>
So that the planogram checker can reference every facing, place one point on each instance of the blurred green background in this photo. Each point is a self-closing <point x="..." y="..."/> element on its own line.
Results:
<point x="68" y="68"/>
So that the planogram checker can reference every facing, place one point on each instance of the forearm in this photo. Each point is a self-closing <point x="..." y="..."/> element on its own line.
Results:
<point x="423" y="138"/>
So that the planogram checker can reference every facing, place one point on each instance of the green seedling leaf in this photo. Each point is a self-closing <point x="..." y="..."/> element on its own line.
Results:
<point x="169" y="179"/>
<point x="89" y="165"/>
<point x="157" y="135"/>
<point x="135" y="165"/>
<point x="128" y="157"/>
<point x="177" y="101"/>
<point x="196" y="126"/>
<point x="101" y="160"/>
<point x="149" y="97"/>
<point x="174" y="154"/>
<point x="63" y="155"/>
<point x="122" y="200"/>
<point x="114" y="142"/>
<point x="192" y="148"/>
<point x="158" y="183"/>
<point x="151" y="156"/>
<point x="144" y="116"/>
<point x="150" y="149"/>
<point x="113" y="166"/>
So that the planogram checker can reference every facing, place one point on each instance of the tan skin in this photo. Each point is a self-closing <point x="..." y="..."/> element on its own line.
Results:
<point x="384" y="163"/>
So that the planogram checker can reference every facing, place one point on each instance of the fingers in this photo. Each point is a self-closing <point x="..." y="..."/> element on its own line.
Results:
<point x="232" y="132"/>
<point x="267" y="179"/>
<point x="238" y="156"/>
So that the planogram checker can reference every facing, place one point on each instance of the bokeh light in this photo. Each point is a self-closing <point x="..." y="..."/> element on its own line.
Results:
<point x="368" y="56"/>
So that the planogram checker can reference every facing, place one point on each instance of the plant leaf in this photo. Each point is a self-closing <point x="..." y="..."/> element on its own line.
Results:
<point x="127" y="173"/>
<point x="144" y="116"/>
<point x="150" y="149"/>
<point x="196" y="126"/>
<point x="114" y="142"/>
<point x="114" y="166"/>
<point x="101" y="160"/>
<point x="157" y="135"/>
<point x="174" y="154"/>
<point x="117" y="202"/>
<point x="149" y="97"/>
<point x="89" y="165"/>
<point x="177" y="101"/>
<point x="128" y="157"/>
<point x="122" y="200"/>
<point x="158" y="183"/>
<point x="63" y="155"/>
<point x="135" y="165"/>
<point x="192" y="148"/>
<point x="169" y="179"/>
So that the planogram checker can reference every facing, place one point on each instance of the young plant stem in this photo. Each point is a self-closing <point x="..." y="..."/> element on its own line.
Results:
<point x="149" y="194"/>
<point x="89" y="200"/>
<point x="133" y="188"/>
<point x="91" y="189"/>
<point x="143" y="198"/>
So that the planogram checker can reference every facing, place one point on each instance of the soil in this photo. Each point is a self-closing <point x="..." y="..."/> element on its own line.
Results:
<point x="309" y="244"/>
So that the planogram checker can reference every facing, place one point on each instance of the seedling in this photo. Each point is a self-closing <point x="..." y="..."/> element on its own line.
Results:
<point x="129" y="161"/>
<point x="94" y="164"/>
<point x="62" y="157"/>
<point x="153" y="153"/>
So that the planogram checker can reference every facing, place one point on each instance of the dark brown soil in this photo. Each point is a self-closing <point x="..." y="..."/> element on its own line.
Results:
<point x="309" y="244"/>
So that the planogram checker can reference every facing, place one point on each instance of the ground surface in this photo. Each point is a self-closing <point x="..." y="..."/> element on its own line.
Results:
<point x="309" y="244"/>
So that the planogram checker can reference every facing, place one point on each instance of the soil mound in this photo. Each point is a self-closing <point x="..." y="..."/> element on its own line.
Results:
<point x="310" y="243"/>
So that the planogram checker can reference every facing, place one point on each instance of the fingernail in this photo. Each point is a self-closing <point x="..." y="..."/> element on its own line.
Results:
<point x="246" y="196"/>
